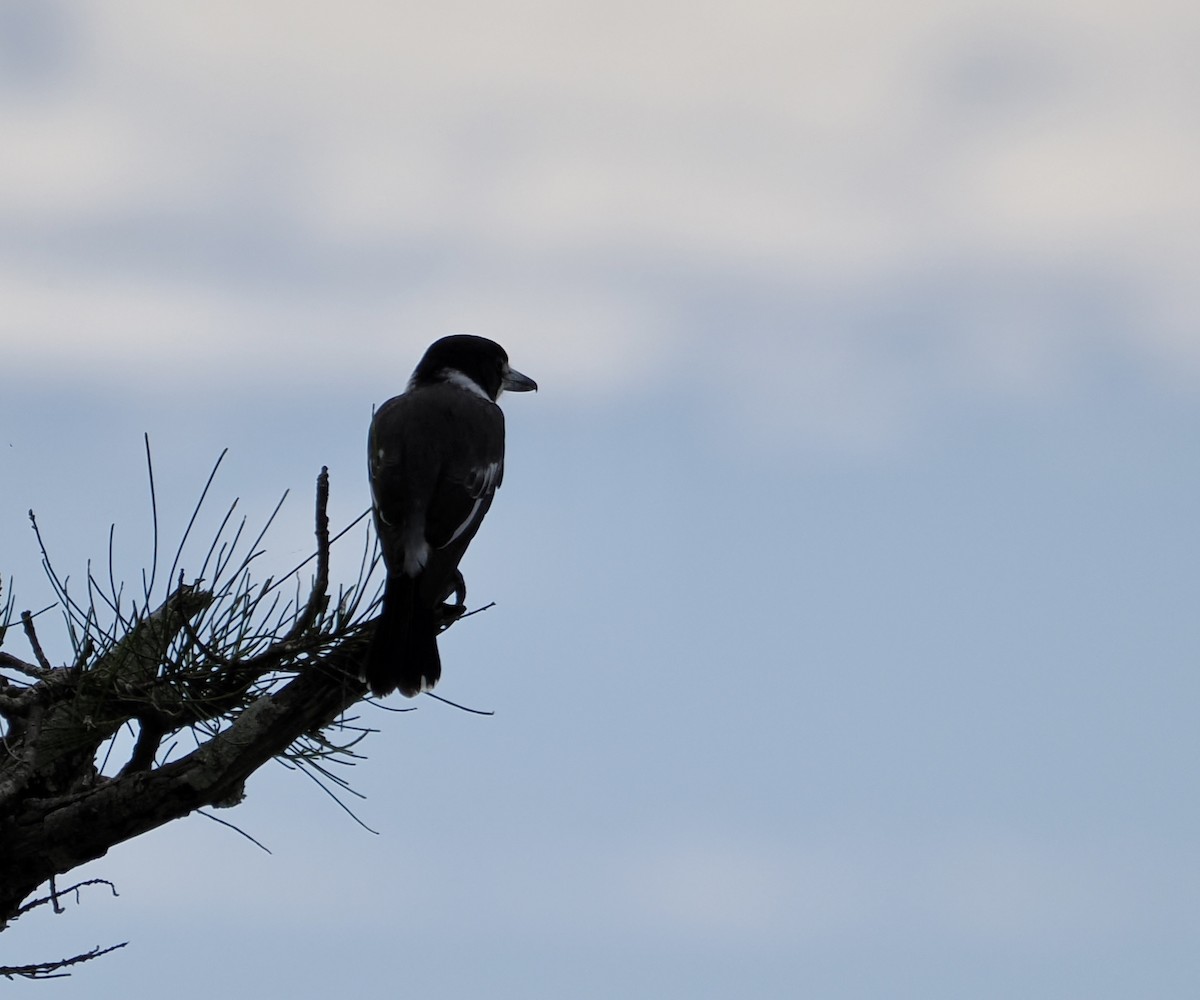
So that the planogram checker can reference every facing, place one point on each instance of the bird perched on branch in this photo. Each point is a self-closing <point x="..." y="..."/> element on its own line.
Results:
<point x="436" y="458"/>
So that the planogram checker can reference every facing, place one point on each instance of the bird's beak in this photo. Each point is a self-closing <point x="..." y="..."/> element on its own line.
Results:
<point x="514" y="381"/>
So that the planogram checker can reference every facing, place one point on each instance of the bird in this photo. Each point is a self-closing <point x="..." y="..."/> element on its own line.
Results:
<point x="435" y="459"/>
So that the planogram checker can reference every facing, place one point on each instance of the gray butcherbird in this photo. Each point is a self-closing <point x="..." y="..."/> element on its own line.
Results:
<point x="436" y="458"/>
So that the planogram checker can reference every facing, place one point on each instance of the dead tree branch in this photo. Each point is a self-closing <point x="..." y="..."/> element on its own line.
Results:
<point x="247" y="674"/>
<point x="54" y="970"/>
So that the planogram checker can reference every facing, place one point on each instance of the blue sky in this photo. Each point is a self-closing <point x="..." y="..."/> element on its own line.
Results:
<point x="845" y="642"/>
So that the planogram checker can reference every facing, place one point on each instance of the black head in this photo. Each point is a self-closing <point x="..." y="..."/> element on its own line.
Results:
<point x="482" y="361"/>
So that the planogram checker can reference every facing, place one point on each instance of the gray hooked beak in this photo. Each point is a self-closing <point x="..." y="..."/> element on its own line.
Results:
<point x="514" y="381"/>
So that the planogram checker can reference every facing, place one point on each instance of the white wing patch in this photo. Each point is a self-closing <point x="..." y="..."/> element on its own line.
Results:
<point x="467" y="523"/>
<point x="481" y="484"/>
<point x="484" y="479"/>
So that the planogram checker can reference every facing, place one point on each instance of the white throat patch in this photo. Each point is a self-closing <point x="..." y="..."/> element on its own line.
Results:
<point x="455" y="377"/>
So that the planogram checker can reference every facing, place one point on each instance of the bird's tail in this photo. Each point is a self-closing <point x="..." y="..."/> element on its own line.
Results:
<point x="403" y="654"/>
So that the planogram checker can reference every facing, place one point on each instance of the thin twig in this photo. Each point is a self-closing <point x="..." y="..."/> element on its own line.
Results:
<point x="454" y="704"/>
<point x="51" y="970"/>
<point x="378" y="703"/>
<point x="148" y="588"/>
<point x="71" y="609"/>
<point x="196" y="513"/>
<point x="342" y="805"/>
<point x="234" y="828"/>
<point x="42" y="901"/>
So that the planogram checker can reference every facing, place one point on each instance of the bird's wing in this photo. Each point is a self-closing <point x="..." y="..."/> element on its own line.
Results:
<point x="472" y="471"/>
<point x="436" y="457"/>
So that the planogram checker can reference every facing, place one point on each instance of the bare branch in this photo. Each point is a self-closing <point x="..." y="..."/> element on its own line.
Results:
<point x="239" y="671"/>
<point x="10" y="662"/>
<point x="55" y="895"/>
<point x="53" y="970"/>
<point x="152" y="729"/>
<point x="318" y="598"/>
<point x="35" y="645"/>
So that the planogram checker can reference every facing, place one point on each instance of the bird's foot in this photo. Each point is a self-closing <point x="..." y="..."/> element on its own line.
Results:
<point x="447" y="614"/>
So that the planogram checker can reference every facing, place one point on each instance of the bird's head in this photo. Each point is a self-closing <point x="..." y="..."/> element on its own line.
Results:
<point x="476" y="363"/>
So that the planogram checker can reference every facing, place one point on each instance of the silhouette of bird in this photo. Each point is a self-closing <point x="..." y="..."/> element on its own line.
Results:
<point x="436" y="459"/>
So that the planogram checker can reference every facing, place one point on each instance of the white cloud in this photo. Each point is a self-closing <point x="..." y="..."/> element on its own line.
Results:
<point x="239" y="176"/>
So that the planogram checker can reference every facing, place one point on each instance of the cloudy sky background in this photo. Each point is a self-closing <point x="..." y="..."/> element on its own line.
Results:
<point x="846" y="639"/>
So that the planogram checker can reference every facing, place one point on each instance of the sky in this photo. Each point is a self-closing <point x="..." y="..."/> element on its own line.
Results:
<point x="845" y="641"/>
